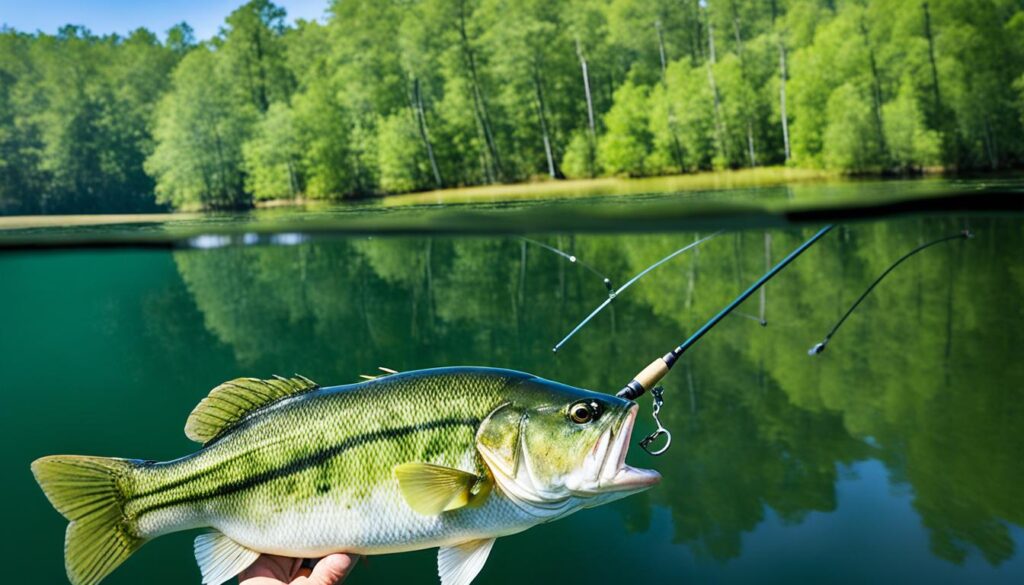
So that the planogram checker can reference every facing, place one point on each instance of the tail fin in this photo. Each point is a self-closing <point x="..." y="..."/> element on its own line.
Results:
<point x="90" y="492"/>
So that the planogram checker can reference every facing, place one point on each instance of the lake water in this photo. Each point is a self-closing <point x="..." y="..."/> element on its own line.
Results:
<point x="895" y="456"/>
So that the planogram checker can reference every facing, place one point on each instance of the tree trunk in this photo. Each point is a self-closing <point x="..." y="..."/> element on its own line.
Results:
<point x="990" y="145"/>
<point x="696" y="46"/>
<point x="592" y="132"/>
<point x="782" y="83"/>
<point x="480" y="105"/>
<point x="293" y="181"/>
<point x="586" y="87"/>
<point x="782" y="98"/>
<point x="876" y="90"/>
<point x="421" y="119"/>
<point x="661" y="46"/>
<point x="751" y="153"/>
<point x="720" y="129"/>
<point x="677" y="149"/>
<point x="261" y="96"/>
<point x="553" y="169"/>
<point x="931" y="57"/>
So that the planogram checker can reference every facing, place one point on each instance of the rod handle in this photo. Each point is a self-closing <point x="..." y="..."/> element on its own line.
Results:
<point x="647" y="378"/>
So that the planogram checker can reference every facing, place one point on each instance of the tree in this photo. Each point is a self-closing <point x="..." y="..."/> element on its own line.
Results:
<point x="625" y="146"/>
<point x="21" y="180"/>
<point x="402" y="165"/>
<point x="912" y="144"/>
<point x="851" y="138"/>
<point x="253" y="53"/>
<point x="273" y="156"/>
<point x="398" y="95"/>
<point x="200" y="130"/>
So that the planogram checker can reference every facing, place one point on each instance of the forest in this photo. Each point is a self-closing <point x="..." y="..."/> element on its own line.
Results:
<point x="390" y="96"/>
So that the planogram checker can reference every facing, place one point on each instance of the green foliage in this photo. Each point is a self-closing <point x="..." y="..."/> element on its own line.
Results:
<point x="272" y="156"/>
<point x="396" y="95"/>
<point x="399" y="156"/>
<point x="200" y="131"/>
<point x="850" y="138"/>
<point x="74" y="120"/>
<point x="580" y="156"/>
<point x="325" y="132"/>
<point x="627" y="141"/>
<point x="252" y="51"/>
<point x="911" y="143"/>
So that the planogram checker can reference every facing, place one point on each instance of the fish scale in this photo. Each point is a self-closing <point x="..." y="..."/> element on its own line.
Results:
<point x="448" y="457"/>
<point x="292" y="433"/>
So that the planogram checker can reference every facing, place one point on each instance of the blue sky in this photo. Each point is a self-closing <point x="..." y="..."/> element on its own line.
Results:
<point x="122" y="16"/>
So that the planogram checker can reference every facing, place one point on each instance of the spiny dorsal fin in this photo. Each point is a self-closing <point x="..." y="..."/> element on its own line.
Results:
<point x="233" y="400"/>
<point x="386" y="372"/>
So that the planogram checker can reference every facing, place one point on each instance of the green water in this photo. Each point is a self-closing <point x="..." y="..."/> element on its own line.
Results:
<point x="896" y="456"/>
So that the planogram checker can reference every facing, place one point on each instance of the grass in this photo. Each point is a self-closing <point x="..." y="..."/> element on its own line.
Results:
<point x="14" y="222"/>
<point x="757" y="177"/>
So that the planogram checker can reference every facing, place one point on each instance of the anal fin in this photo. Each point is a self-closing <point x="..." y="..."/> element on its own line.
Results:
<point x="460" y="564"/>
<point x="221" y="558"/>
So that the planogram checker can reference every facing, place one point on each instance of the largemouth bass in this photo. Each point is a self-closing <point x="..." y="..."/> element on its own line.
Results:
<point x="449" y="457"/>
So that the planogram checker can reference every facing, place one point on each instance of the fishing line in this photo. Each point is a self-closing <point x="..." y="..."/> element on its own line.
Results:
<point x="575" y="260"/>
<point x="820" y="346"/>
<point x="656" y="370"/>
<point x="617" y="292"/>
<point x="759" y="320"/>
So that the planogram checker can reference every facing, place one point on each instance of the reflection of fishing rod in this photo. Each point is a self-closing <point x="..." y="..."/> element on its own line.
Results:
<point x="617" y="292"/>
<point x="572" y="258"/>
<point x="656" y="370"/>
<point x="820" y="347"/>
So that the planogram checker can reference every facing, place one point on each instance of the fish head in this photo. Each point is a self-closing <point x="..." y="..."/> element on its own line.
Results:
<point x="552" y="443"/>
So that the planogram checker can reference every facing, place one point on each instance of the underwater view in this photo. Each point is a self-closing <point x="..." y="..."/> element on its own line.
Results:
<point x="895" y="455"/>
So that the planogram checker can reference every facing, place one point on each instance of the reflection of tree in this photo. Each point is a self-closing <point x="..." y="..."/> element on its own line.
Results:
<point x="758" y="423"/>
<point x="746" y="448"/>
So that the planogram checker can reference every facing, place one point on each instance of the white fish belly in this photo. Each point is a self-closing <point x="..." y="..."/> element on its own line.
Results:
<point x="379" y="523"/>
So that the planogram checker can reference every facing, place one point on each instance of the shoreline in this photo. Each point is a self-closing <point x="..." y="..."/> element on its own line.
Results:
<point x="508" y="193"/>
<point x="543" y="187"/>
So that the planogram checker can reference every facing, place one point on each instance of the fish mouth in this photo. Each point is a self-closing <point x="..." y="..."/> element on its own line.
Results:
<point x="609" y="458"/>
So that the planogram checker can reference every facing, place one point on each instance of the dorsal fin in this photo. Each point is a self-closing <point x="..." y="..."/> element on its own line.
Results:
<point x="233" y="400"/>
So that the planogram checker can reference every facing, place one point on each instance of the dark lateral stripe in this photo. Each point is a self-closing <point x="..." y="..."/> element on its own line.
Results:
<point x="196" y="475"/>
<point x="313" y="460"/>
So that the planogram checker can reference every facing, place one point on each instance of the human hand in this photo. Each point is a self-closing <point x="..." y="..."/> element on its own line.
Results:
<point x="275" y="570"/>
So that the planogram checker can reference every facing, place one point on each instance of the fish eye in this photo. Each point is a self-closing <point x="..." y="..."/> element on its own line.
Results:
<point x="583" y="412"/>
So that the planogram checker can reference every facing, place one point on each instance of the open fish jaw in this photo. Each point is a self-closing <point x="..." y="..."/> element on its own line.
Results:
<point x="605" y="469"/>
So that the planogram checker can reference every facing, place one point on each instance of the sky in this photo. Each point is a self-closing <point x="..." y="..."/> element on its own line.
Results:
<point x="122" y="16"/>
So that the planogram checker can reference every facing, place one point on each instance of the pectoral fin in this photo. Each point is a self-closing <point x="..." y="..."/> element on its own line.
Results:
<point x="431" y="489"/>
<point x="460" y="564"/>
<point x="221" y="558"/>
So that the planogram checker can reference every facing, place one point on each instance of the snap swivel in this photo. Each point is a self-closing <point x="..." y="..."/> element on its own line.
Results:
<point x="657" y="393"/>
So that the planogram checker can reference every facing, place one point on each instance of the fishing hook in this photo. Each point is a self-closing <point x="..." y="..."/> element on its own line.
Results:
<point x="658" y="393"/>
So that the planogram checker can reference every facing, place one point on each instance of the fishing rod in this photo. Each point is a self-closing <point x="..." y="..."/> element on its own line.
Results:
<point x="648" y="377"/>
<point x="612" y="295"/>
<point x="575" y="260"/>
<point x="820" y="346"/>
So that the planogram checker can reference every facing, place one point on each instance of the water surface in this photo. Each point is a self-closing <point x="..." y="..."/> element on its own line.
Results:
<point x="895" y="456"/>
